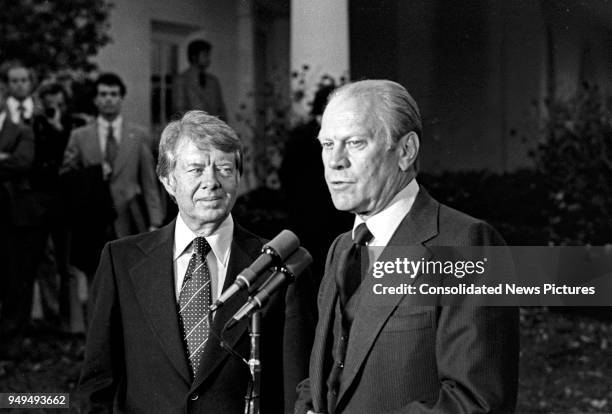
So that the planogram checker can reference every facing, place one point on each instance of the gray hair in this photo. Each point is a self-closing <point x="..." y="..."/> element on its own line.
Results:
<point x="202" y="129"/>
<point x="395" y="108"/>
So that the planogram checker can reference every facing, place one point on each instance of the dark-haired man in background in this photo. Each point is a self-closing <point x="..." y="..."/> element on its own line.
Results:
<point x="111" y="156"/>
<point x="195" y="88"/>
<point x="52" y="126"/>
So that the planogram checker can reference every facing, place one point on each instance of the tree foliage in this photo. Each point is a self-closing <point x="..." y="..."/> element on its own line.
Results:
<point x="53" y="34"/>
<point x="575" y="156"/>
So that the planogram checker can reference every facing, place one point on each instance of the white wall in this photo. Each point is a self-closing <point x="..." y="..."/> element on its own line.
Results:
<point x="129" y="53"/>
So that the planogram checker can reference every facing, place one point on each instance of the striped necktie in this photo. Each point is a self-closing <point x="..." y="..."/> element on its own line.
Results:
<point x="194" y="301"/>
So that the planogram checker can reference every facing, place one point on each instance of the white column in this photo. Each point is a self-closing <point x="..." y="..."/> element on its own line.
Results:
<point x="319" y="41"/>
<point x="245" y="119"/>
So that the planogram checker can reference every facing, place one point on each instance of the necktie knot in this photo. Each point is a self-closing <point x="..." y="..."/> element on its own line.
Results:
<point x="362" y="235"/>
<point x="201" y="246"/>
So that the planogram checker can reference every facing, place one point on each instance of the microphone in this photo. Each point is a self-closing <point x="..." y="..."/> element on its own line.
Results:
<point x="287" y="273"/>
<point x="273" y="253"/>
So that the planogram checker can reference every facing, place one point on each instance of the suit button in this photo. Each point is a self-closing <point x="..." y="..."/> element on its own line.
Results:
<point x="194" y="397"/>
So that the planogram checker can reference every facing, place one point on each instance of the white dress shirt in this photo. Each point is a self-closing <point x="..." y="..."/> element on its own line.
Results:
<point x="2" y="118"/>
<point x="383" y="224"/>
<point x="13" y="108"/>
<point x="217" y="259"/>
<point x="103" y="126"/>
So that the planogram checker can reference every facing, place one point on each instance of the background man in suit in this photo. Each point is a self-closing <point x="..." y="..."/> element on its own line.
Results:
<point x="20" y="104"/>
<point x="19" y="217"/>
<point x="150" y="347"/>
<point x="122" y="150"/>
<point x="195" y="88"/>
<point x="397" y="358"/>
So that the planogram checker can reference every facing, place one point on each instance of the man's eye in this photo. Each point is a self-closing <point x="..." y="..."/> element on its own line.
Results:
<point x="226" y="170"/>
<point x="355" y="143"/>
<point x="195" y="170"/>
<point x="327" y="144"/>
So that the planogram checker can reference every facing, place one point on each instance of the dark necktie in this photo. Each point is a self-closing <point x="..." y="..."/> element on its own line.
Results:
<point x="21" y="112"/>
<point x="202" y="80"/>
<point x="194" y="301"/>
<point x="348" y="278"/>
<point x="111" y="147"/>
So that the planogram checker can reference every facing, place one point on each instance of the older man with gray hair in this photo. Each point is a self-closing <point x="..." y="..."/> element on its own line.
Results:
<point x="150" y="347"/>
<point x="397" y="358"/>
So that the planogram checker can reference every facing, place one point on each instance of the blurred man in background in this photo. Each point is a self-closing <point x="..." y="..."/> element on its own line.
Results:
<point x="20" y="103"/>
<point x="52" y="126"/>
<point x="195" y="88"/>
<point x="110" y="173"/>
<point x="19" y="217"/>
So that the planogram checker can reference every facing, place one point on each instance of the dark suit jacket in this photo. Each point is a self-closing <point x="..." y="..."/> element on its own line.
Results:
<point x="18" y="204"/>
<point x="416" y="359"/>
<point x="135" y="360"/>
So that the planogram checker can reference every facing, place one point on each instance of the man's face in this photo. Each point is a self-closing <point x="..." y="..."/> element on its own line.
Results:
<point x="362" y="173"/>
<point x="108" y="100"/>
<point x="204" y="184"/>
<point x="54" y="101"/>
<point x="203" y="60"/>
<point x="19" y="83"/>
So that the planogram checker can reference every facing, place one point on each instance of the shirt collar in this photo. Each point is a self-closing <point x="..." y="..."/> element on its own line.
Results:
<point x="115" y="124"/>
<point x="13" y="105"/>
<point x="383" y="224"/>
<point x="220" y="240"/>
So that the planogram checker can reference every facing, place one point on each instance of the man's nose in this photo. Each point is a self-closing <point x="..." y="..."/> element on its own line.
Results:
<point x="209" y="178"/>
<point x="337" y="158"/>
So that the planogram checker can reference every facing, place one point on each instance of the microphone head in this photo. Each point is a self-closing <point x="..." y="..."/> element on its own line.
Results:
<point x="298" y="262"/>
<point x="285" y="243"/>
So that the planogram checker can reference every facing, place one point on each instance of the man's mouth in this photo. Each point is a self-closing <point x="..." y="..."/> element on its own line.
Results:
<point x="340" y="184"/>
<point x="211" y="198"/>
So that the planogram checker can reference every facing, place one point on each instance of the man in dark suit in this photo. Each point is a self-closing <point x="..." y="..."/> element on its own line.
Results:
<point x="195" y="88"/>
<point x="20" y="217"/>
<point x="150" y="347"/>
<point x="397" y="358"/>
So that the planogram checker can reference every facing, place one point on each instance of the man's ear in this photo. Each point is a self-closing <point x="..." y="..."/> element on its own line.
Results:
<point x="408" y="150"/>
<point x="169" y="184"/>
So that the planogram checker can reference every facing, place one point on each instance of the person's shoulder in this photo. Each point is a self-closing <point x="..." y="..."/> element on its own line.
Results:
<point x="186" y="74"/>
<point x="242" y="234"/>
<point x="459" y="228"/>
<point x="135" y="128"/>
<point x="86" y="130"/>
<point x="143" y="241"/>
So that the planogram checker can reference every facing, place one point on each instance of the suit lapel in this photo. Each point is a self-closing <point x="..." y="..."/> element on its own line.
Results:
<point x="127" y="148"/>
<point x="154" y="285"/>
<point x="419" y="225"/>
<point x="8" y="132"/>
<point x="323" y="342"/>
<point x="92" y="146"/>
<point x="245" y="249"/>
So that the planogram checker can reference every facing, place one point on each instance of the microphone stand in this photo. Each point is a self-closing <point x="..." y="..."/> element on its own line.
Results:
<point x="252" y="395"/>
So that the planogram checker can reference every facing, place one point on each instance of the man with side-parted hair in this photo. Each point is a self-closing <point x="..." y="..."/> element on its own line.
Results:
<point x="397" y="358"/>
<point x="195" y="88"/>
<point x="122" y="150"/>
<point x="150" y="347"/>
